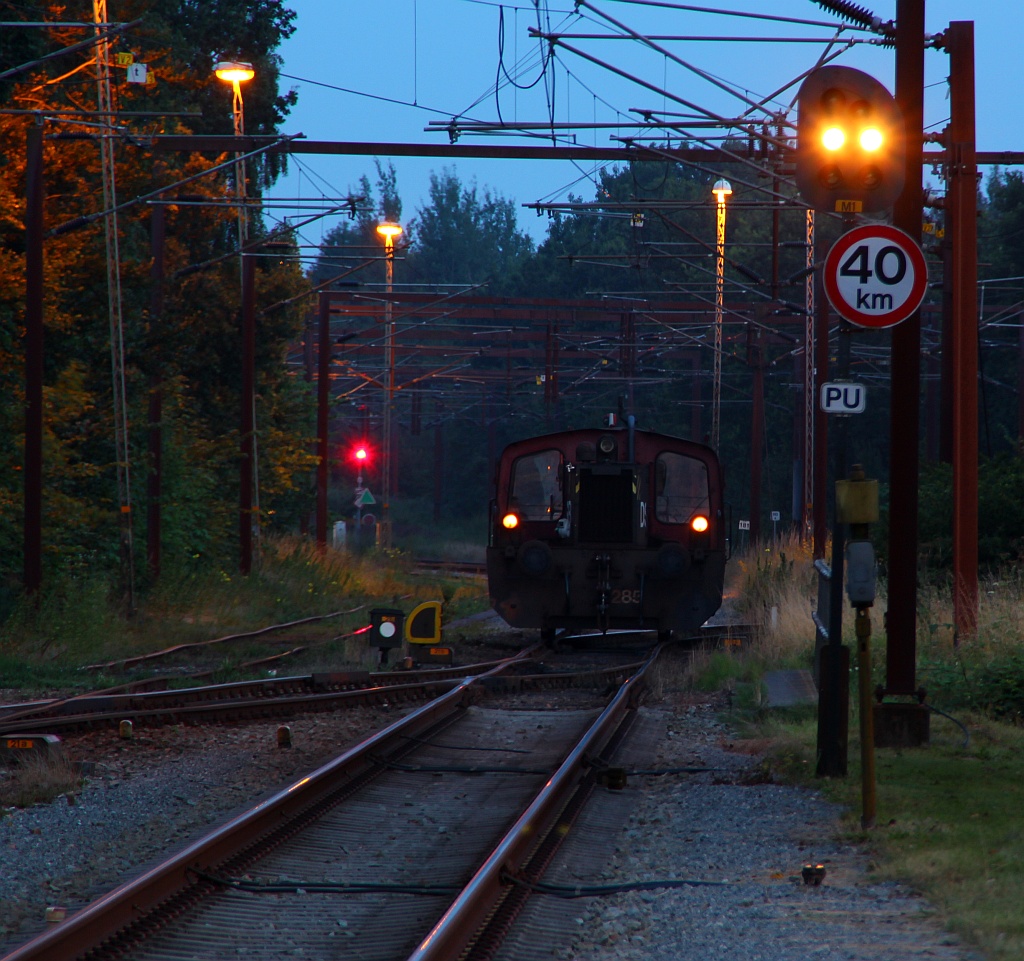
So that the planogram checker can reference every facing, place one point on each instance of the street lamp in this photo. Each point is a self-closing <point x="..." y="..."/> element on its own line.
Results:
<point x="721" y="190"/>
<point x="237" y="73"/>
<point x="248" y="498"/>
<point x="389" y="231"/>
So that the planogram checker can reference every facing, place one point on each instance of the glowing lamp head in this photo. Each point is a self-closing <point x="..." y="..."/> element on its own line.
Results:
<point x="699" y="524"/>
<point x="360" y="454"/>
<point x="510" y="521"/>
<point x="233" y="71"/>
<point x="833" y="138"/>
<point x="389" y="231"/>
<point x="871" y="139"/>
<point x="721" y="190"/>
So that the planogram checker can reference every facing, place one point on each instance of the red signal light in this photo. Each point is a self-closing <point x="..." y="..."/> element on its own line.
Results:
<point x="360" y="454"/>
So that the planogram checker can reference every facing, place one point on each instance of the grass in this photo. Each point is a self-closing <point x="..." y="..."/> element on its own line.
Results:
<point x="77" y="623"/>
<point x="37" y="779"/>
<point x="948" y="813"/>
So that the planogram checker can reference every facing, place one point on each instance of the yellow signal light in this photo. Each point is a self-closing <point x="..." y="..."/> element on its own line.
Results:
<point x="833" y="138"/>
<point x="871" y="139"/>
<point x="699" y="524"/>
<point x="510" y="521"/>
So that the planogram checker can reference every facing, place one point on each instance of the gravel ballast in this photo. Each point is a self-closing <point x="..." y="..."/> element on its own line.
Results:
<point x="749" y="839"/>
<point x="149" y="796"/>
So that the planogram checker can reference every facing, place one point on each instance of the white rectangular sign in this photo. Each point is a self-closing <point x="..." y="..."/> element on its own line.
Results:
<point x="843" y="398"/>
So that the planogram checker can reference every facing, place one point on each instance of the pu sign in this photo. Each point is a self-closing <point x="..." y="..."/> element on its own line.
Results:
<point x="843" y="398"/>
<point x="875" y="276"/>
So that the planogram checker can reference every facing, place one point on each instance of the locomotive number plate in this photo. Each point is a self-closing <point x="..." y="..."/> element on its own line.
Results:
<point x="627" y="596"/>
<point x="20" y="744"/>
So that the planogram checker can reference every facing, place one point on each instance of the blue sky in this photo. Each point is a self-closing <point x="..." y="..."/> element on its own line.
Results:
<point x="382" y="72"/>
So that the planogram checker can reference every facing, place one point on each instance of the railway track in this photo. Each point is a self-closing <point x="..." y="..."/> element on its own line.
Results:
<point x="423" y="842"/>
<point x="285" y="697"/>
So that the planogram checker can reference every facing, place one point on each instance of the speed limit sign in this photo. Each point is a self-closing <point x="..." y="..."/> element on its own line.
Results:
<point x="875" y="276"/>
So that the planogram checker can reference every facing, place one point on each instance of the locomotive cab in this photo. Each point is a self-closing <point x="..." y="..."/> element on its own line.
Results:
<point x="597" y="529"/>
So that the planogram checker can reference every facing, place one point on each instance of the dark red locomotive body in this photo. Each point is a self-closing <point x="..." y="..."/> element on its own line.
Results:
<point x="600" y="529"/>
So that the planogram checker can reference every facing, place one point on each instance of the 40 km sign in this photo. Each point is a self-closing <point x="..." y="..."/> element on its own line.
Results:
<point x="875" y="276"/>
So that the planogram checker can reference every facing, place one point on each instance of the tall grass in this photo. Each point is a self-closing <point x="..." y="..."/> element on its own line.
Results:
<point x="948" y="812"/>
<point x="79" y="622"/>
<point x="776" y="590"/>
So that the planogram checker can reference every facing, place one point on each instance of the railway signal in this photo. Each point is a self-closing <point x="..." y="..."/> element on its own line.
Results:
<point x="850" y="142"/>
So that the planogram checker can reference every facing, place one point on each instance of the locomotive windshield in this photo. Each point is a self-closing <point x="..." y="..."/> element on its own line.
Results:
<point x="682" y="488"/>
<point x="535" y="491"/>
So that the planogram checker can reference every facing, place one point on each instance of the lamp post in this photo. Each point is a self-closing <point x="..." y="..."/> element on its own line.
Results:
<point x="721" y="190"/>
<point x="237" y="73"/>
<point x="389" y="231"/>
<point x="248" y="497"/>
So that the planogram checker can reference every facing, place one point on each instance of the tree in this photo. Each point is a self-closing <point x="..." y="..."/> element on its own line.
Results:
<point x="462" y="237"/>
<point x="192" y="346"/>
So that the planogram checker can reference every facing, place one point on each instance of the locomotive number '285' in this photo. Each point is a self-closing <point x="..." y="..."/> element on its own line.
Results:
<point x="626" y="596"/>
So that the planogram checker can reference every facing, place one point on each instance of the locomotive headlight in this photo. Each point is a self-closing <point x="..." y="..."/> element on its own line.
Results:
<point x="510" y="521"/>
<point x="606" y="444"/>
<point x="699" y="524"/>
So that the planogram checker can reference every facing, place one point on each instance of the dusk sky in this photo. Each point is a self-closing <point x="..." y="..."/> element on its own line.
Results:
<point x="383" y="72"/>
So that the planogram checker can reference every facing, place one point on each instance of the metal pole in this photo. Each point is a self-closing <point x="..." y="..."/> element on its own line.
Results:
<point x="807" y="528"/>
<point x="238" y="112"/>
<point x="834" y="700"/>
<point x="901" y="616"/>
<point x="963" y="197"/>
<point x="389" y="364"/>
<point x="862" y="625"/>
<point x="115" y="309"/>
<point x="756" y="431"/>
<point x="33" y="472"/>
<point x="716" y="399"/>
<point x="819" y="498"/>
<point x="245" y="508"/>
<point x="323" y="393"/>
<point x="155" y="476"/>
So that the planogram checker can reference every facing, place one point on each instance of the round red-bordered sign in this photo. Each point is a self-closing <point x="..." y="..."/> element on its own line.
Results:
<point x="875" y="276"/>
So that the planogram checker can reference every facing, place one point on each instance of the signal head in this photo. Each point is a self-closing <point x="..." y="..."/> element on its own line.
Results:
<point x="850" y="142"/>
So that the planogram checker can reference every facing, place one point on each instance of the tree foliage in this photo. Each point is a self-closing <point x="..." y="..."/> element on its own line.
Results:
<point x="190" y="343"/>
<point x="467" y="237"/>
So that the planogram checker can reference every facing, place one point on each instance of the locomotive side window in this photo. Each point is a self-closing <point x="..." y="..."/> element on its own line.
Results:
<point x="536" y="489"/>
<point x="681" y="488"/>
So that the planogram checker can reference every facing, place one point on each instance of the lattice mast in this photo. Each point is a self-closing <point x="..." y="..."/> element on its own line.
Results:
<point x="113" y="258"/>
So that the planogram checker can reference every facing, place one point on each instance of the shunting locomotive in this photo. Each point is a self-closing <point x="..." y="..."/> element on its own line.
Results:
<point x="607" y="529"/>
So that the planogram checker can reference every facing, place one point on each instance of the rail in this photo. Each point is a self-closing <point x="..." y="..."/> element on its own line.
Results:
<point x="488" y="889"/>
